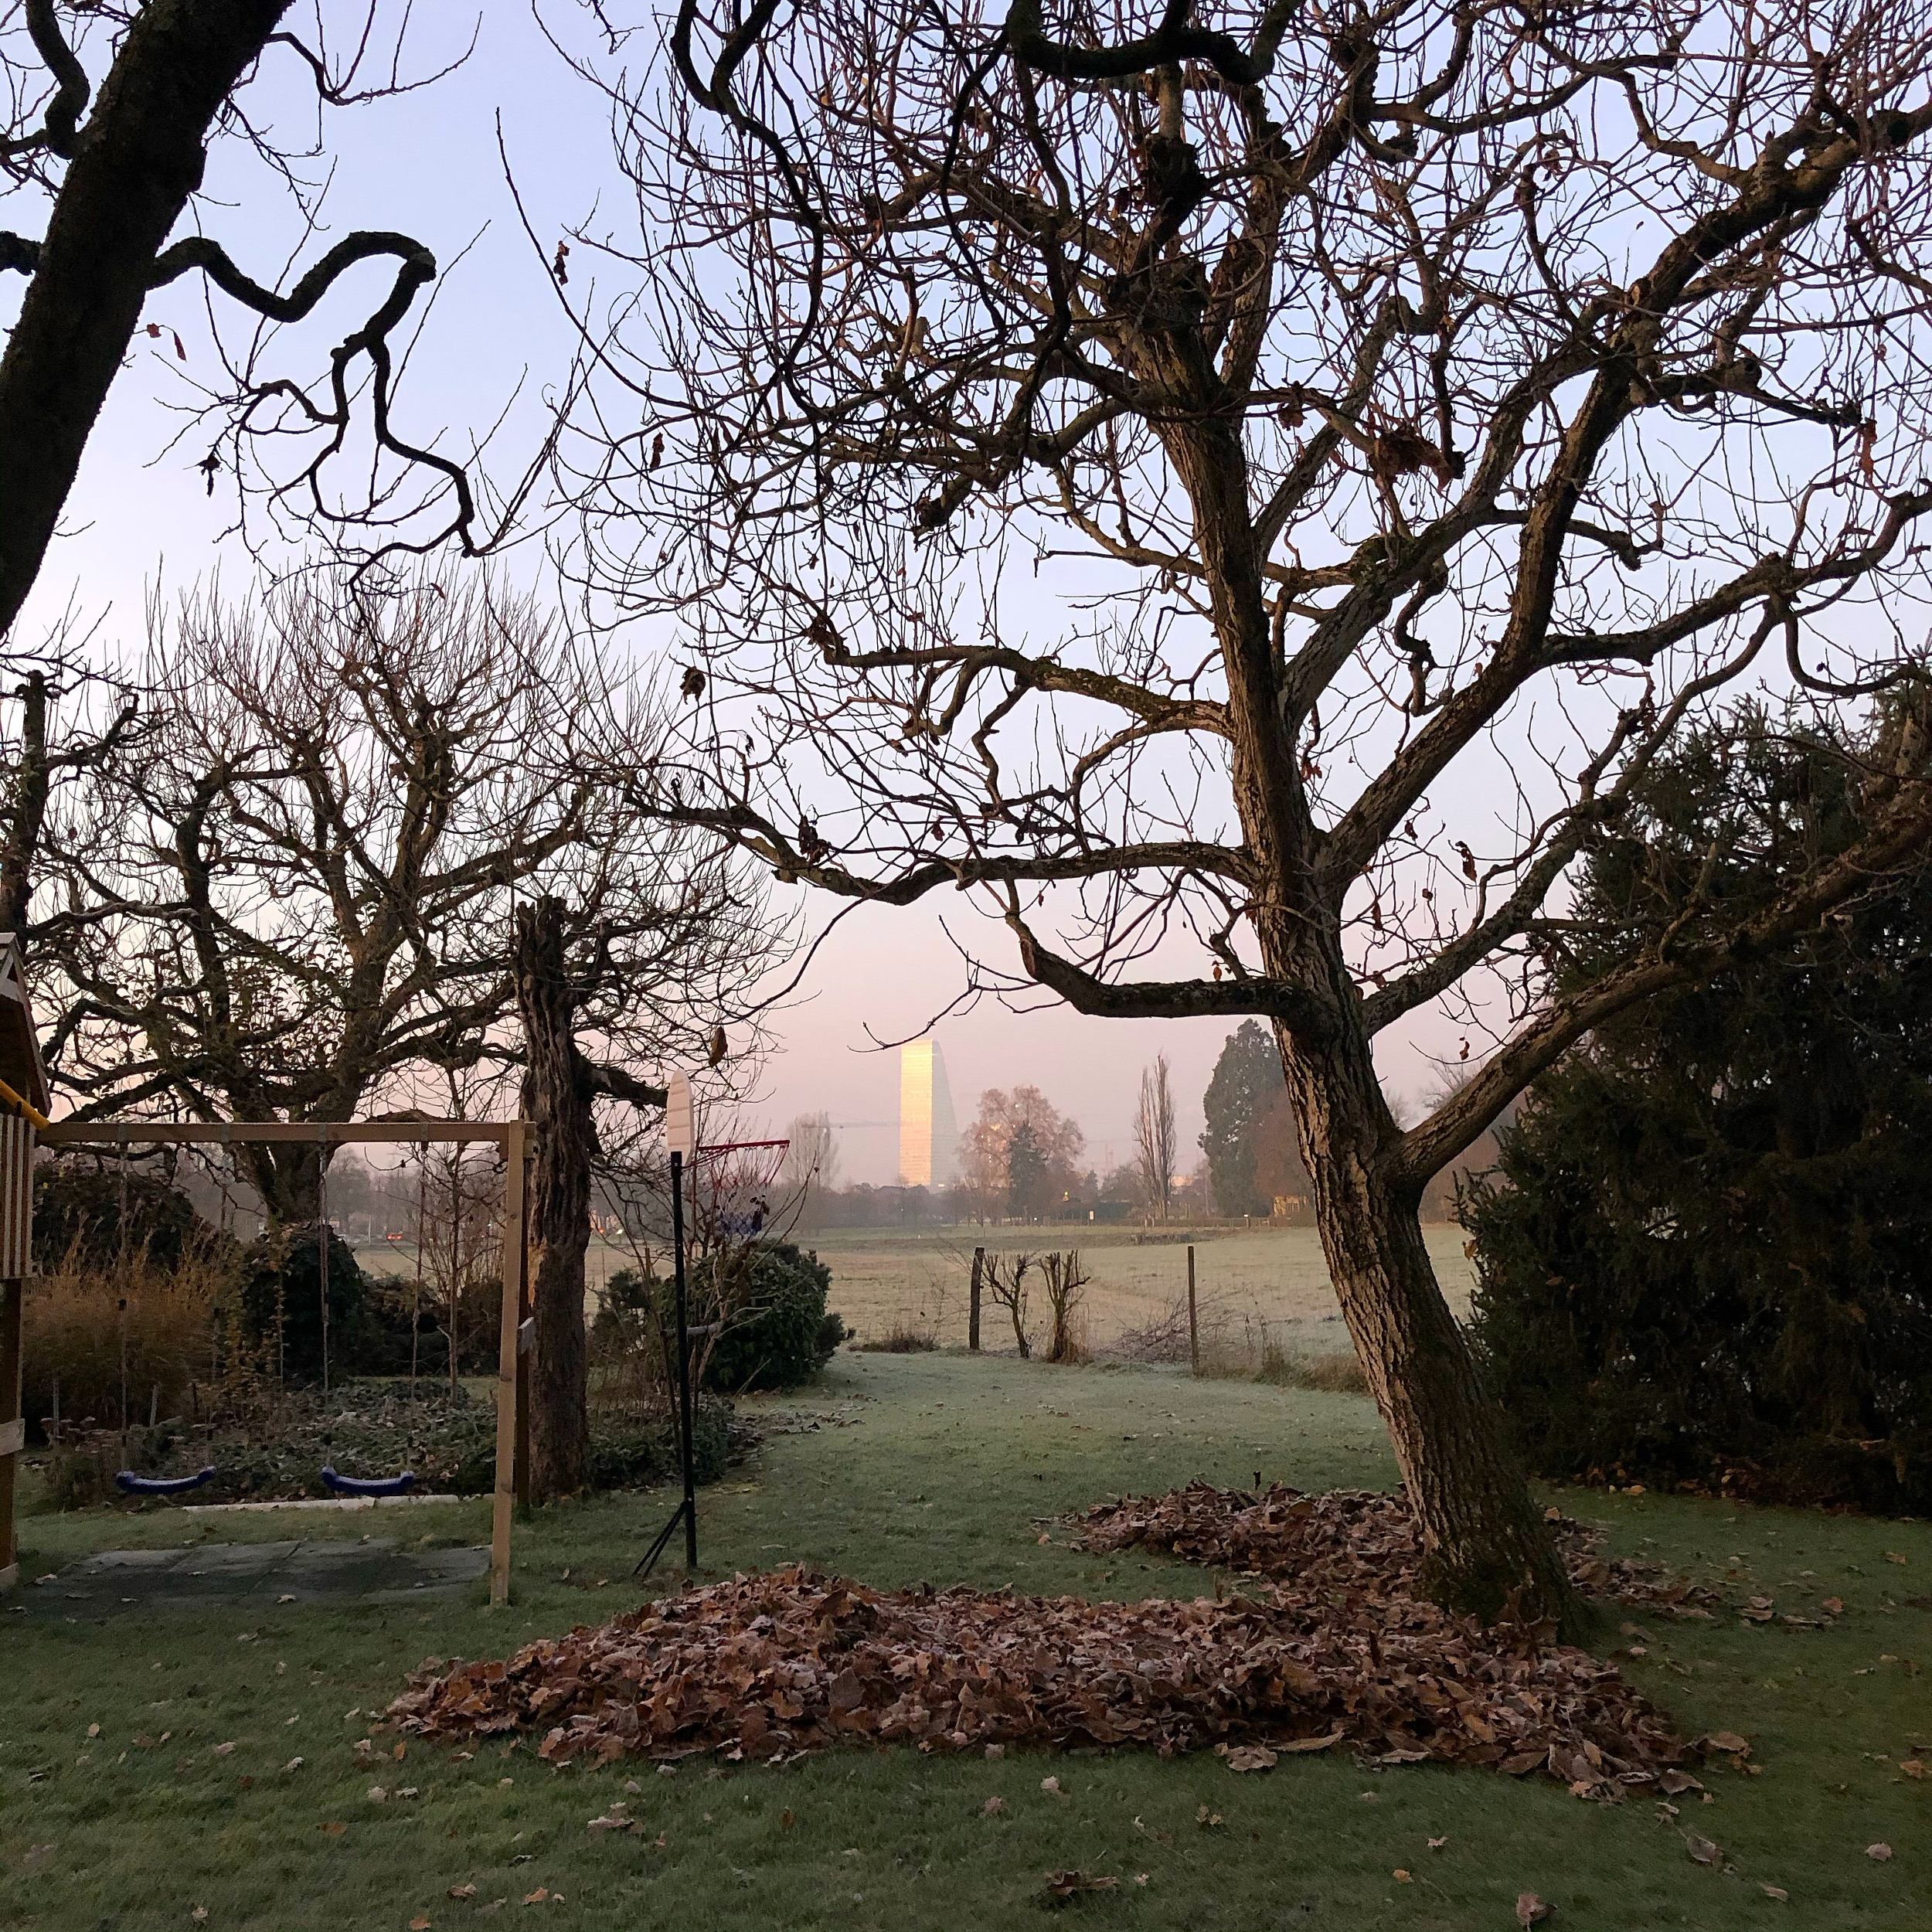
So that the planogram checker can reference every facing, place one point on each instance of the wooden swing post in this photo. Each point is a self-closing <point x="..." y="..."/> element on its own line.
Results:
<point x="23" y="1102"/>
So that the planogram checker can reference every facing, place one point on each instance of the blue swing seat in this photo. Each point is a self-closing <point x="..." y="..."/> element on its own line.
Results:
<point x="134" y="1485"/>
<point x="368" y="1486"/>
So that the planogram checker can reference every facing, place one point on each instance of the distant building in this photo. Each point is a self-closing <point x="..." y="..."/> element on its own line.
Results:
<point x="928" y="1138"/>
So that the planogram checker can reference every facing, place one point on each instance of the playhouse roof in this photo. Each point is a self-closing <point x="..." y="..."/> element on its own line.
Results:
<point x="20" y="1064"/>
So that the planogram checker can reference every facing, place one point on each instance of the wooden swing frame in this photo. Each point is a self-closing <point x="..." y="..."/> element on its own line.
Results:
<point x="513" y="1329"/>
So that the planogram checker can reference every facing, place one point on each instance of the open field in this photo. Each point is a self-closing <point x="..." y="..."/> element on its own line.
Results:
<point x="888" y="1278"/>
<point x="950" y="1470"/>
<point x="882" y="1278"/>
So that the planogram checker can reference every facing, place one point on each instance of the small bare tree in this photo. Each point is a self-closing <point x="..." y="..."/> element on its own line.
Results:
<point x="812" y="1165"/>
<point x="1154" y="1144"/>
<point x="1065" y="1285"/>
<point x="305" y="905"/>
<point x="1440" y="404"/>
<point x="1005" y="1285"/>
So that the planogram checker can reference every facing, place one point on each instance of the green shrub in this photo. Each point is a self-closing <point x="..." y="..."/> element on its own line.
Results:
<point x="281" y="1303"/>
<point x="776" y="1325"/>
<point x="628" y="1453"/>
<point x="77" y="1221"/>
<point x="1702" y="1261"/>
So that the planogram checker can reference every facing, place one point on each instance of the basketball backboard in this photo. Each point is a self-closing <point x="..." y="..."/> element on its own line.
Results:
<point x="680" y="1118"/>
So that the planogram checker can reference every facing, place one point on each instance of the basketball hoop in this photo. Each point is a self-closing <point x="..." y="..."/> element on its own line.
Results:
<point x="732" y="1188"/>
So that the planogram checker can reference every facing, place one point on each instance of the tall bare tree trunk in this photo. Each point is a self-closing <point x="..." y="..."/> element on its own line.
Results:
<point x="1487" y="1549"/>
<point x="556" y="1100"/>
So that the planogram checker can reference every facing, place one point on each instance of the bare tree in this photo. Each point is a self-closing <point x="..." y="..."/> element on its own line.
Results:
<point x="1153" y="1141"/>
<point x="1048" y="1144"/>
<point x="812" y="1165"/>
<point x="110" y="115"/>
<point x="306" y="910"/>
<point x="1065" y="1285"/>
<point x="1411" y="405"/>
<point x="1006" y="1287"/>
<point x="44" y="755"/>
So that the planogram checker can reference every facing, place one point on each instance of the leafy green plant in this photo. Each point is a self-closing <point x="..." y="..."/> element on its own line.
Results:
<point x="771" y="1297"/>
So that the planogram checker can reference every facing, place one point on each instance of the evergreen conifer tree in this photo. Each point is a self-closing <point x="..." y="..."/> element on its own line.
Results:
<point x="1703" y="1258"/>
<point x="1246" y="1081"/>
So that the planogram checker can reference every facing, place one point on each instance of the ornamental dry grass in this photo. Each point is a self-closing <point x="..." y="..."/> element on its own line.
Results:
<point x="141" y="1332"/>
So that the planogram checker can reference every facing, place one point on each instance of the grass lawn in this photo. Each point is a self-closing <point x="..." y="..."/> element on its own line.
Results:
<point x="948" y="1474"/>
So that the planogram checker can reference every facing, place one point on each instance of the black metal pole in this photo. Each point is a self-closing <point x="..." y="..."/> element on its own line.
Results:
<point x="684" y="1365"/>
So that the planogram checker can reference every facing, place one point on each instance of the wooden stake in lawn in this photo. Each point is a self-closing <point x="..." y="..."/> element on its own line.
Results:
<point x="972" y="1311"/>
<point x="1193" y="1322"/>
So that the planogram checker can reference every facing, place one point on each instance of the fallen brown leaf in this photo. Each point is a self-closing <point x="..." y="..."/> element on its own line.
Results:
<point x="1728" y="1742"/>
<point x="1062" y="1886"/>
<point x="786" y="1822"/>
<point x="462" y="1891"/>
<point x="1436" y="1844"/>
<point x="421" y="1922"/>
<point x="1404" y="1878"/>
<point x="1703" y="1850"/>
<point x="1833" y="1606"/>
<point x="334" y="1828"/>
<point x="1250" y="1757"/>
<point x="993" y="1807"/>
<point x="1531" y="1910"/>
<point x="1881" y="1852"/>
<point x="1913" y="1767"/>
<point x="537" y="1897"/>
<point x="1774" y="1891"/>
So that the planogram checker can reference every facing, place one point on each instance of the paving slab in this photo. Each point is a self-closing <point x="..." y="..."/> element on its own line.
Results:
<point x="208" y="1576"/>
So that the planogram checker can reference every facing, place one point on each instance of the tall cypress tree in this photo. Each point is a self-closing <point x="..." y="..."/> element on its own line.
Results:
<point x="1246" y="1080"/>
<point x="1704" y="1255"/>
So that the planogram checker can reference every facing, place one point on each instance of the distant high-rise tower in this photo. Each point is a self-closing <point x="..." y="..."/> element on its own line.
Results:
<point x="928" y="1139"/>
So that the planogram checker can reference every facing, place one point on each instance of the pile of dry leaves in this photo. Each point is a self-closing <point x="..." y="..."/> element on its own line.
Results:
<point x="1354" y="1541"/>
<point x="765" y="1666"/>
<point x="1346" y="1539"/>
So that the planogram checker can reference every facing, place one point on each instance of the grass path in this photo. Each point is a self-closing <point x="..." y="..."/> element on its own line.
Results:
<point x="951" y="1471"/>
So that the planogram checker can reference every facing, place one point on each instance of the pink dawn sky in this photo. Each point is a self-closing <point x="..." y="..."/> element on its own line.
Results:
<point x="140" y="521"/>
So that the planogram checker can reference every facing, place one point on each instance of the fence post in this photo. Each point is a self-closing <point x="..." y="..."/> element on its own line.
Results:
<point x="972" y="1312"/>
<point x="1193" y="1320"/>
